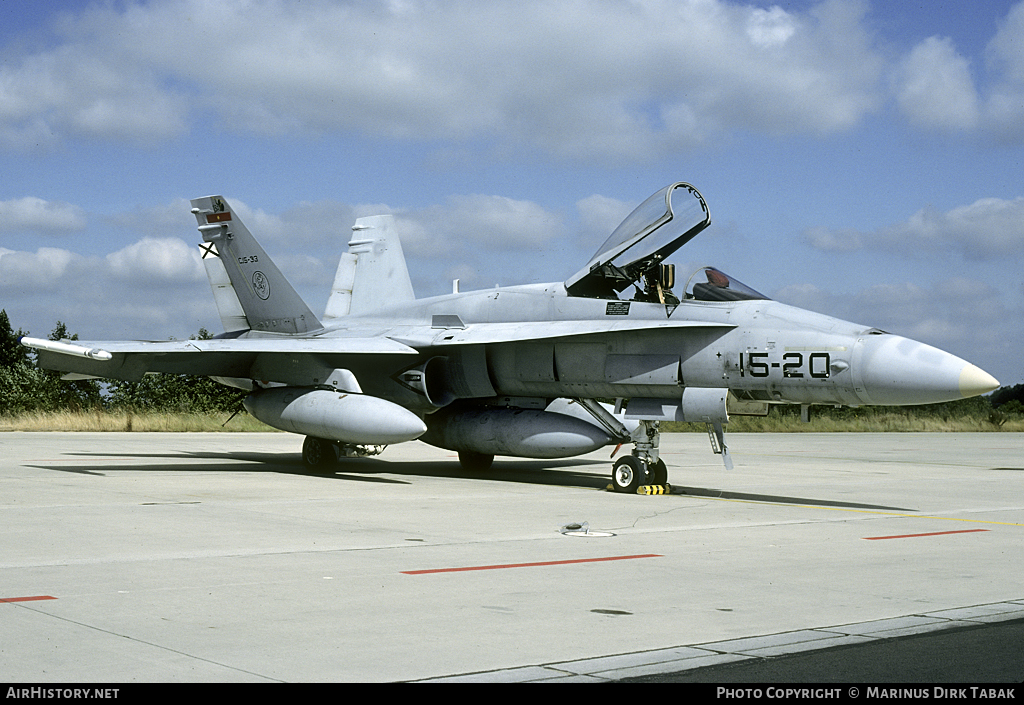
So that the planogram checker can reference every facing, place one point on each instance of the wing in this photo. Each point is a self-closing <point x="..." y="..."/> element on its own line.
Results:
<point x="299" y="361"/>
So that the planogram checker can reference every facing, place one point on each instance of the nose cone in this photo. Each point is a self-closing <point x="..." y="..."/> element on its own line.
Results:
<point x="975" y="381"/>
<point x="895" y="371"/>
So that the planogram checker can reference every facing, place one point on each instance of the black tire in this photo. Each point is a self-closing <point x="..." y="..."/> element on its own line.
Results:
<point x="319" y="454"/>
<point x="475" y="462"/>
<point x="659" y="473"/>
<point x="628" y="474"/>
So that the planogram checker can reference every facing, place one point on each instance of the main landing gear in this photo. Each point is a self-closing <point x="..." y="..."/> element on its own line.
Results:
<point x="475" y="462"/>
<point x="320" y="454"/>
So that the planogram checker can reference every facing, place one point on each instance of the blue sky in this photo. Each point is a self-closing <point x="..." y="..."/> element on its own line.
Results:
<point x="862" y="159"/>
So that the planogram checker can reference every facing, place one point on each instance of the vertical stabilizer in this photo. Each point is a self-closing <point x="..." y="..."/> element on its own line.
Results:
<point x="372" y="275"/>
<point x="267" y="299"/>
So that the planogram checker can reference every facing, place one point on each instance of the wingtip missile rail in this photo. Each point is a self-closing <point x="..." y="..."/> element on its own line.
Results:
<point x="65" y="348"/>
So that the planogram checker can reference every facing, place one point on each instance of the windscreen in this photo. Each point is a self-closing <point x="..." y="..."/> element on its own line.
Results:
<point x="710" y="284"/>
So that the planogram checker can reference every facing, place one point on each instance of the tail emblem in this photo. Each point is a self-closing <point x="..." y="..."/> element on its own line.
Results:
<point x="220" y="212"/>
<point x="261" y="285"/>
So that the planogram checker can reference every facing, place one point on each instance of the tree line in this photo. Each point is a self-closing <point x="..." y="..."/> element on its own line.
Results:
<point x="25" y="388"/>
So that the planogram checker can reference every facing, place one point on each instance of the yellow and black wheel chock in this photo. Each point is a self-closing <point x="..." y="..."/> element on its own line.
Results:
<point x="654" y="489"/>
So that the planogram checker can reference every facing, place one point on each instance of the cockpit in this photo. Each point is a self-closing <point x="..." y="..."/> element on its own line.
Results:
<point x="710" y="284"/>
<point x="634" y="254"/>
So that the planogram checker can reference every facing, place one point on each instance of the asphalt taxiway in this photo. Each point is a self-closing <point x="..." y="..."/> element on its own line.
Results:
<point x="217" y="557"/>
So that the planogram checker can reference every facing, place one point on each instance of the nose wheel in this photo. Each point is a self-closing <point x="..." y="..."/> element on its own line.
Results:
<point x="629" y="473"/>
<point x="643" y="466"/>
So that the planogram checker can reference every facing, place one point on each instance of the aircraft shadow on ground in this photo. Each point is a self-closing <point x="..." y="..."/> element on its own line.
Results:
<point x="780" y="499"/>
<point x="560" y="473"/>
<point x="356" y="469"/>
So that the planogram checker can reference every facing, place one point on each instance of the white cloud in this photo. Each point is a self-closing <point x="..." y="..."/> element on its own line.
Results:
<point x="771" y="27"/>
<point x="627" y="81"/>
<point x="989" y="228"/>
<point x="86" y="90"/>
<point x="1004" y="49"/>
<point x="35" y="214"/>
<point x="954" y="314"/>
<point x="934" y="86"/>
<point x="26" y="271"/>
<point x="621" y="80"/>
<point x="492" y="220"/>
<point x="462" y="234"/>
<point x="157" y="260"/>
<point x="100" y="298"/>
<point x="1005" y="107"/>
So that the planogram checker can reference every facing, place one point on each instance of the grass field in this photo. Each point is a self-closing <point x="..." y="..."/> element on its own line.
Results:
<point x="875" y="423"/>
<point x="130" y="421"/>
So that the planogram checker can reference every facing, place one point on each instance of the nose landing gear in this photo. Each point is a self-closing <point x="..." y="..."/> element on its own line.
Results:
<point x="631" y="472"/>
<point x="643" y="466"/>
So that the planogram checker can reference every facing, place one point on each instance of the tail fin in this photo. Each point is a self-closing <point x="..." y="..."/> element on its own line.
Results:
<point x="372" y="275"/>
<point x="267" y="300"/>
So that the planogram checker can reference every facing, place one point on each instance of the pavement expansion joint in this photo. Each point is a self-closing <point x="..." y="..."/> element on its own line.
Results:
<point x="684" y="658"/>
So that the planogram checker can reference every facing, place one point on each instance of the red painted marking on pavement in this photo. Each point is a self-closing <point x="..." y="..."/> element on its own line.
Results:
<point x="26" y="599"/>
<point x="530" y="565"/>
<point x="935" y="533"/>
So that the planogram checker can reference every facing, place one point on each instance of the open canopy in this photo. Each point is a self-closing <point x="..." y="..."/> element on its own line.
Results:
<point x="658" y="227"/>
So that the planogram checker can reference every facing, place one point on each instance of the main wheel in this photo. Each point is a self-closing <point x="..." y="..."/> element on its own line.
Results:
<point x="659" y="473"/>
<point x="475" y="462"/>
<point x="629" y="473"/>
<point x="319" y="454"/>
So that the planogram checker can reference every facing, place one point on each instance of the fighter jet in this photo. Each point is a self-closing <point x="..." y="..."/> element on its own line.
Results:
<point x="536" y="371"/>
